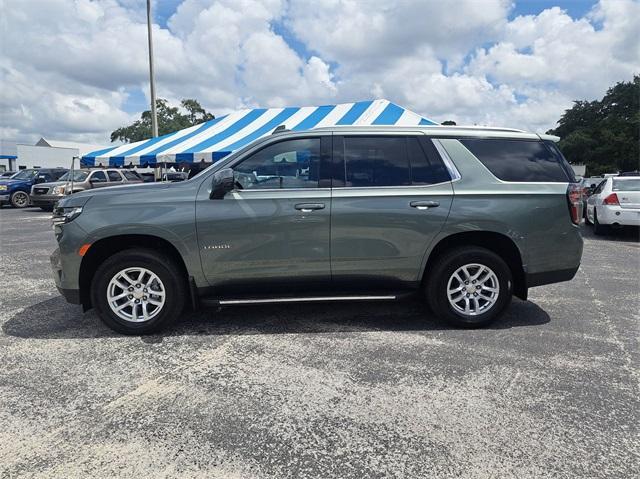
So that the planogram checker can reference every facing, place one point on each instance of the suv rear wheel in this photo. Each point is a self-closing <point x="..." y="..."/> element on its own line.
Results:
<point x="138" y="291"/>
<point x="469" y="287"/>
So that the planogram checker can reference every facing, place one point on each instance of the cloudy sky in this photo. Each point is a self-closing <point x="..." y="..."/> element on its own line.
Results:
<point x="77" y="69"/>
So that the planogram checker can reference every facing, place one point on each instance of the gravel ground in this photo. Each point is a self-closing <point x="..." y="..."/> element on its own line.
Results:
<point x="345" y="390"/>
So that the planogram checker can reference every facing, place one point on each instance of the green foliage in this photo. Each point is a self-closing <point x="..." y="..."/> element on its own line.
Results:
<point x="170" y="119"/>
<point x="604" y="134"/>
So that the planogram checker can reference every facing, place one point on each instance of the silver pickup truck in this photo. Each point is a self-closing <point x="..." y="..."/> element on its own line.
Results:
<point x="46" y="195"/>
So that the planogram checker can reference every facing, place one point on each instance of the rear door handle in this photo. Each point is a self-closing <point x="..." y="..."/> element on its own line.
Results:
<point x="424" y="205"/>
<point x="309" y="207"/>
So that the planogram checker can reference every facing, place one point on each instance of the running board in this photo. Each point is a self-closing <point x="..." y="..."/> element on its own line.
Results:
<point x="309" y="299"/>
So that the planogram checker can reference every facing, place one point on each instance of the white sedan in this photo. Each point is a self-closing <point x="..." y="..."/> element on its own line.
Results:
<point x="615" y="202"/>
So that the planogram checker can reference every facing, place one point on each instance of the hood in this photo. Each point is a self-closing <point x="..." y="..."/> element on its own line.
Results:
<point x="9" y="182"/>
<point x="51" y="184"/>
<point x="119" y="194"/>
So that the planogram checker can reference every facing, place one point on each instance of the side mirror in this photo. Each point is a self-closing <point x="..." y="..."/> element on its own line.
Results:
<point x="223" y="182"/>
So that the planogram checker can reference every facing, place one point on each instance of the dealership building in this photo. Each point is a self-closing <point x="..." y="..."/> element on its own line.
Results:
<point x="45" y="153"/>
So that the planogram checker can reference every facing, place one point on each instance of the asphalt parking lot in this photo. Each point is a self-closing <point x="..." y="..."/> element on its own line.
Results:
<point x="349" y="390"/>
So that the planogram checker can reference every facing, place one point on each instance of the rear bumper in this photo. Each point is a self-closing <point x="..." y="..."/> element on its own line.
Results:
<point x="549" y="277"/>
<point x="615" y="215"/>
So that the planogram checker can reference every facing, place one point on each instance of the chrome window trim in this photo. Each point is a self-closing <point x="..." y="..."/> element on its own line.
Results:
<point x="448" y="163"/>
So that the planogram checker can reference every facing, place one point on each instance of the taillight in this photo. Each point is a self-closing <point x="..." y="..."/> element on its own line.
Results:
<point x="612" y="199"/>
<point x="574" y="200"/>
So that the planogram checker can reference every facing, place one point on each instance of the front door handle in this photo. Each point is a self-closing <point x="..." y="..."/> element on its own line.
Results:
<point x="424" y="205"/>
<point x="309" y="207"/>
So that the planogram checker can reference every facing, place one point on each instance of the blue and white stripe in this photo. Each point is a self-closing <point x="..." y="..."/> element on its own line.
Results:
<point x="212" y="140"/>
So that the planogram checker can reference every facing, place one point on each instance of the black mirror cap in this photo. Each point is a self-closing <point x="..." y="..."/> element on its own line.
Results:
<point x="223" y="182"/>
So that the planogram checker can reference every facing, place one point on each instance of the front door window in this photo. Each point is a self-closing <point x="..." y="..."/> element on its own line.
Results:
<point x="284" y="165"/>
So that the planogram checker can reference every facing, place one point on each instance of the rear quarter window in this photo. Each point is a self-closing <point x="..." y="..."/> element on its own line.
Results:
<point x="518" y="160"/>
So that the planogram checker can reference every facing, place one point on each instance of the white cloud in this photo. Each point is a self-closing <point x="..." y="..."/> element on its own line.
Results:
<point x="67" y="65"/>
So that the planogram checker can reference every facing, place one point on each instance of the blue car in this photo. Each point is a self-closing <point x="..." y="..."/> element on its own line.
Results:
<point x="15" y="190"/>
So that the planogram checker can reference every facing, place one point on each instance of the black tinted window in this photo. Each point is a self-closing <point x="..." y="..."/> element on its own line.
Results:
<point x="287" y="164"/>
<point x="518" y="160"/>
<point x="130" y="175"/>
<point x="98" y="176"/>
<point x="114" y="176"/>
<point x="425" y="170"/>
<point x="376" y="161"/>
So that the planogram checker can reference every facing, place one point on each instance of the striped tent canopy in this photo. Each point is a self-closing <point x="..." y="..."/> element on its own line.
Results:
<point x="212" y="140"/>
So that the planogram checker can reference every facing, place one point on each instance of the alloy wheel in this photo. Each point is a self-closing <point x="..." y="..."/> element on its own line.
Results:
<point x="136" y="294"/>
<point x="473" y="289"/>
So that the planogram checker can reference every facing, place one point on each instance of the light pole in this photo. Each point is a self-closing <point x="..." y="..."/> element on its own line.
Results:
<point x="154" y="118"/>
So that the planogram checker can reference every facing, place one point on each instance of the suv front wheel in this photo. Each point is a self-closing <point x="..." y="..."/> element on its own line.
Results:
<point x="469" y="287"/>
<point x="138" y="291"/>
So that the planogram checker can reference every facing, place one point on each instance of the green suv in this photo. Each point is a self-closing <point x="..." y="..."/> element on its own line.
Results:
<point x="466" y="217"/>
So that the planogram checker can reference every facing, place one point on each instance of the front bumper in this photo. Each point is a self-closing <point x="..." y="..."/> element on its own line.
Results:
<point x="4" y="198"/>
<point x="549" y="277"/>
<point x="45" y="200"/>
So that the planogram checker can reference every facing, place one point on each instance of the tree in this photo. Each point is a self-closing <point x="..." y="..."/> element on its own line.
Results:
<point x="170" y="119"/>
<point x="604" y="134"/>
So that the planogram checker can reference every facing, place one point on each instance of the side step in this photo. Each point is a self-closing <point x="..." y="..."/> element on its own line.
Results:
<point x="293" y="299"/>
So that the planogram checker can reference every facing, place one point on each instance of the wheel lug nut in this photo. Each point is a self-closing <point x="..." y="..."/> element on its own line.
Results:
<point x="468" y="295"/>
<point x="137" y="285"/>
<point x="475" y="294"/>
<point x="144" y="298"/>
<point x="137" y="301"/>
<point x="466" y="282"/>
<point x="478" y="287"/>
<point x="145" y="290"/>
<point x="130" y="289"/>
<point x="474" y="281"/>
<point x="130" y="296"/>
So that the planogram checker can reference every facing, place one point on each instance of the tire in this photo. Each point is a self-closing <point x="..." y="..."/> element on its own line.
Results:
<point x="586" y="217"/>
<point x="598" y="229"/>
<point x="494" y="271"/>
<point x="19" y="199"/>
<point x="169" y="278"/>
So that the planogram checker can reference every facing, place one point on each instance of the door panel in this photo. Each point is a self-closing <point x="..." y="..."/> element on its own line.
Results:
<point x="391" y="196"/>
<point x="272" y="232"/>
<point x="377" y="236"/>
<point x="256" y="237"/>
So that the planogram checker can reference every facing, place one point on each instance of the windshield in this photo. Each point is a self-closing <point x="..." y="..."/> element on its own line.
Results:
<point x="24" y="175"/>
<point x="626" y="185"/>
<point x="77" y="176"/>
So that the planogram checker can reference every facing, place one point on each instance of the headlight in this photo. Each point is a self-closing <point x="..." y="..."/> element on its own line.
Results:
<point x="63" y="214"/>
<point x="58" y="190"/>
<point x="3" y="187"/>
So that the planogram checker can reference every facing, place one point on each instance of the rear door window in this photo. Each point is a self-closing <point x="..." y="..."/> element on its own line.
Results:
<point x="626" y="185"/>
<point x="98" y="176"/>
<point x="518" y="160"/>
<point x="130" y="175"/>
<point x="114" y="176"/>
<point x="376" y="161"/>
<point x="373" y="161"/>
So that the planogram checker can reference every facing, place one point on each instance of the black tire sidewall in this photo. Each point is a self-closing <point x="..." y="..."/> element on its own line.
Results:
<point x="12" y="199"/>
<point x="450" y="262"/>
<point x="167" y="271"/>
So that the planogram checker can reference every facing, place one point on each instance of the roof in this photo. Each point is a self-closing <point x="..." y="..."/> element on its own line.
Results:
<point x="214" y="139"/>
<point x="83" y="148"/>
